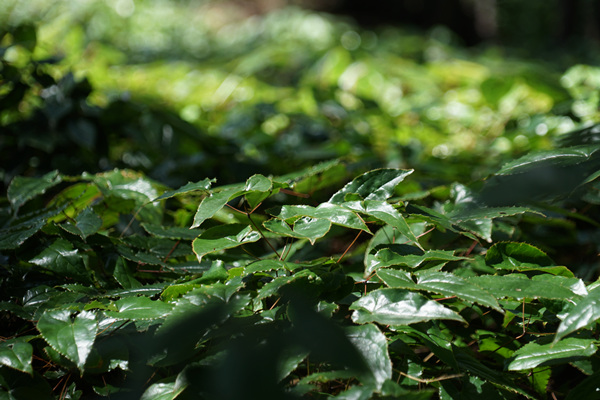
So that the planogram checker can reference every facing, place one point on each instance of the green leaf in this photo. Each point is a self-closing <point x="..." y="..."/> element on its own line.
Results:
<point x="385" y="213"/>
<point x="17" y="354"/>
<point x="511" y="255"/>
<point x="171" y="232"/>
<point x="22" y="189"/>
<point x="15" y="236"/>
<point x="212" y="204"/>
<point x="258" y="183"/>
<point x="442" y="283"/>
<point x="452" y="285"/>
<point x="86" y="223"/>
<point x="139" y="308"/>
<point x="532" y="354"/>
<point x="520" y="287"/>
<point x="585" y="312"/>
<point x="71" y="337"/>
<point x="124" y="275"/>
<point x="560" y="157"/>
<point x="223" y="237"/>
<point x="161" y="391"/>
<point x="373" y="346"/>
<point x="387" y="258"/>
<point x="397" y="279"/>
<point x="62" y="259"/>
<point x="398" y="307"/>
<point x="378" y="184"/>
<point x="303" y="228"/>
<point x="202" y="185"/>
<point x="335" y="214"/>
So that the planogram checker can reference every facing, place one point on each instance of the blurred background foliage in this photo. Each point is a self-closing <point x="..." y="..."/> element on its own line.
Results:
<point x="186" y="89"/>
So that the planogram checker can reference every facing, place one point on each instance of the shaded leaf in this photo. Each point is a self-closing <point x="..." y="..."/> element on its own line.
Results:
<point x="61" y="258"/>
<point x="86" y="223"/>
<point x="373" y="346"/>
<point x="171" y="232"/>
<point x="202" y="185"/>
<point x="71" y="337"/>
<point x="22" y="189"/>
<point x="532" y="354"/>
<point x="15" y="236"/>
<point x="160" y="391"/>
<point x="398" y="307"/>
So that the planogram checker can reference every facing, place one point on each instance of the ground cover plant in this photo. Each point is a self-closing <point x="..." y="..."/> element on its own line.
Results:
<point x="351" y="229"/>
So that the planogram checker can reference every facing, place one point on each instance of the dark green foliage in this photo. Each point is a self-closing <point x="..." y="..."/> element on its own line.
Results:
<point x="284" y="251"/>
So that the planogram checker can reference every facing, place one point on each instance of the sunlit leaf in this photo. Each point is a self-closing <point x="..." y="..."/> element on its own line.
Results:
<point x="398" y="307"/>
<point x="520" y="287"/>
<point x="335" y="214"/>
<point x="442" y="283"/>
<point x="17" y="354"/>
<point x="533" y="354"/>
<point x="140" y="308"/>
<point x="223" y="237"/>
<point x="373" y="185"/>
<point x="213" y="203"/>
<point x="585" y="312"/>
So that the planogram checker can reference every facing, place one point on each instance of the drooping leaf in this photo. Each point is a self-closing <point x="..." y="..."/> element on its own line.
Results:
<point x="384" y="212"/>
<point x="73" y="337"/>
<point x="202" y="185"/>
<point x="17" y="353"/>
<point x="223" y="237"/>
<point x="398" y="307"/>
<point x="22" y="189"/>
<point x="373" y="345"/>
<point x="585" y="312"/>
<point x="378" y="184"/>
<point x="212" y="204"/>
<point x="533" y="354"/>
